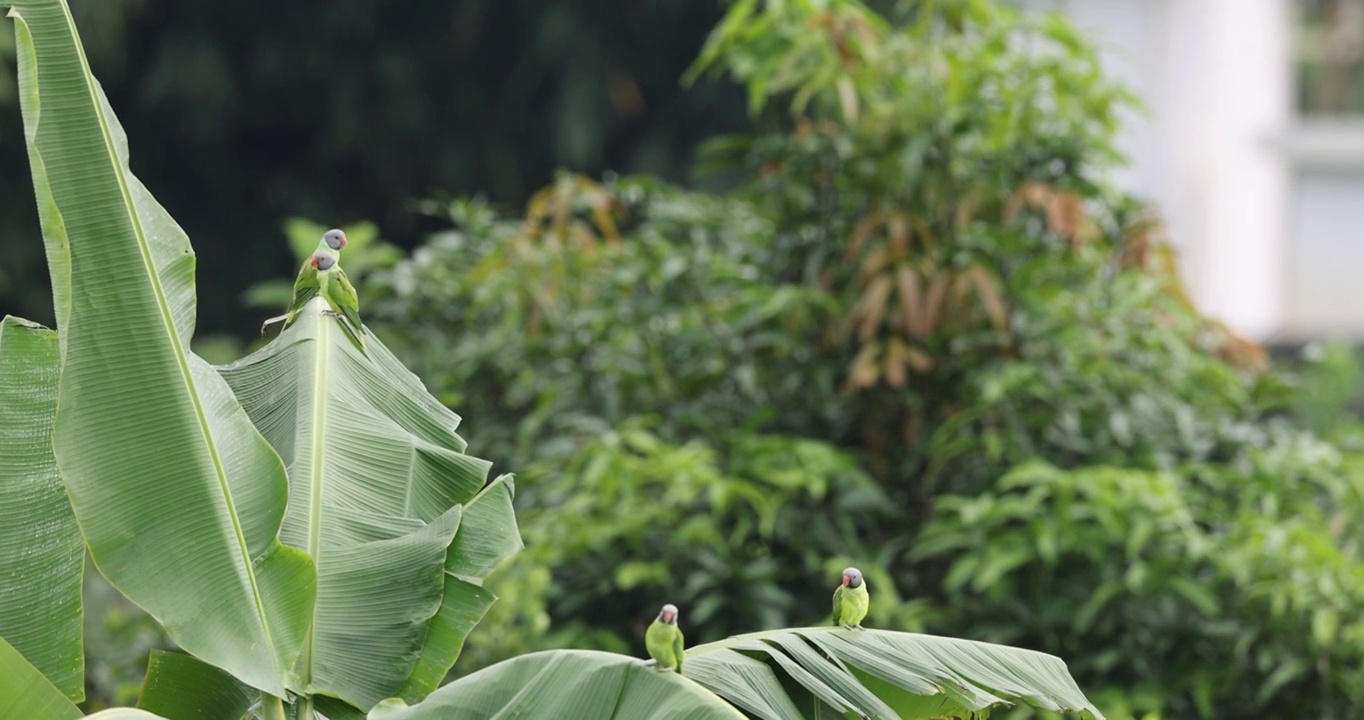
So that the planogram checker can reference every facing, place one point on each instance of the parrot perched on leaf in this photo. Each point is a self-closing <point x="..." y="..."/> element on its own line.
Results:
<point x="335" y="288"/>
<point x="305" y="285"/>
<point x="664" y="640"/>
<point x="851" y="600"/>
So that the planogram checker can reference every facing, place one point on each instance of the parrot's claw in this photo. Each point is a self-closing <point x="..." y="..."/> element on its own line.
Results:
<point x="846" y="626"/>
<point x="650" y="663"/>
<point x="332" y="313"/>
<point x="859" y="628"/>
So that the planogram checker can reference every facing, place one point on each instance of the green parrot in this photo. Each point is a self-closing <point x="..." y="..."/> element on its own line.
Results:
<point x="305" y="285"/>
<point x="335" y="288"/>
<point x="664" y="640"/>
<point x="851" y="600"/>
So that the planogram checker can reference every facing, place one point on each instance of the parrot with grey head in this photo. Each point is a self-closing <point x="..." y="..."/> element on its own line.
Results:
<point x="664" y="640"/>
<point x="305" y="285"/>
<point x="335" y="288"/>
<point x="851" y="600"/>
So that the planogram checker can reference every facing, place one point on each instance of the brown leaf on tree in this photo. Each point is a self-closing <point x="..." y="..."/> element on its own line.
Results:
<point x="873" y="264"/>
<point x="921" y="361"/>
<point x="1066" y="215"/>
<point x="873" y="304"/>
<point x="864" y="371"/>
<point x="898" y="230"/>
<point x="914" y="313"/>
<point x="893" y="364"/>
<point x="863" y="230"/>
<point x="987" y="289"/>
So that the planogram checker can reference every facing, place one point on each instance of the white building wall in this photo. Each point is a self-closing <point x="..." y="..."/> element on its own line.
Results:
<point x="1216" y="77"/>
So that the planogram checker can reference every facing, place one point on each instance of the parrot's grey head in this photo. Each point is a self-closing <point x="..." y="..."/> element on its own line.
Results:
<point x="335" y="239"/>
<point x="668" y="615"/>
<point x="323" y="261"/>
<point x="852" y="577"/>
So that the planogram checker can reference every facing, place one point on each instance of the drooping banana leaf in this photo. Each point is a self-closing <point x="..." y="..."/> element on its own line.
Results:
<point x="181" y="687"/>
<point x="378" y="478"/>
<point x="25" y="693"/>
<point x="487" y="536"/>
<point x="796" y="673"/>
<point x="179" y="498"/>
<point x="42" y="554"/>
<point x="566" y="684"/>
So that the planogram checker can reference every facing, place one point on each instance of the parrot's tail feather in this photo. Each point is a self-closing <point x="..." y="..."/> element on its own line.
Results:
<point x="274" y="321"/>
<point x="350" y="332"/>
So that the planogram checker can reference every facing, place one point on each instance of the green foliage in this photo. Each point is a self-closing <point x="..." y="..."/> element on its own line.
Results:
<point x="646" y="356"/>
<point x="1220" y="591"/>
<point x="928" y="333"/>
<point x="306" y="523"/>
<point x="119" y="637"/>
<point x="644" y="306"/>
<point x="342" y="110"/>
<point x="1332" y="390"/>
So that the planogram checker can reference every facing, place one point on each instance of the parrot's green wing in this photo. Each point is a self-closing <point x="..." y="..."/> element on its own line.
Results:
<point x="838" y="604"/>
<point x="340" y="296"/>
<point x="348" y="303"/>
<point x="678" y="646"/>
<point x="305" y="289"/>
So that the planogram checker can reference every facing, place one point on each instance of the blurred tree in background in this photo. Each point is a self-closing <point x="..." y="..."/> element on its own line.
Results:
<point x="246" y="114"/>
<point x="919" y="333"/>
<point x="924" y="337"/>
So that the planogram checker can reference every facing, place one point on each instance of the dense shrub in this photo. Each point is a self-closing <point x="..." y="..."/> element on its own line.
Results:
<point x="1212" y="591"/>
<point x="923" y="336"/>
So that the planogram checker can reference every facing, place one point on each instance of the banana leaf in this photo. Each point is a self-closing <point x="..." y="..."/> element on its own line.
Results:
<point x="178" y="496"/>
<point x="805" y="672"/>
<point x="42" y="555"/>
<point x="378" y="483"/>
<point x="566" y="684"/>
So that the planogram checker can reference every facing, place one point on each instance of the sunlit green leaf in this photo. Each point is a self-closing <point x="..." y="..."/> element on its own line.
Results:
<point x="180" y="687"/>
<point x="25" y="693"/>
<point x="566" y="684"/>
<point x="178" y="496"/>
<point x="42" y="555"/>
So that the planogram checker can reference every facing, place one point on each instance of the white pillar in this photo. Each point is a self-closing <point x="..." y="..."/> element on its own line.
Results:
<point x="1216" y="78"/>
<point x="1232" y="61"/>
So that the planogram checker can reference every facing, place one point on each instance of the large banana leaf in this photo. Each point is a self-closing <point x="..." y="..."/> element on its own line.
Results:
<point x="42" y="555"/>
<point x="180" y="687"/>
<point x="25" y="693"/>
<point x="487" y="536"/>
<point x="179" y="497"/>
<point x="831" y="672"/>
<point x="378" y="477"/>
<point x="566" y="684"/>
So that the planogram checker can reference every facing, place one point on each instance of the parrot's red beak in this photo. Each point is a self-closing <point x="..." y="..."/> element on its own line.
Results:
<point x="344" y="242"/>
<point x="846" y="579"/>
<point x="313" y="262"/>
<point x="667" y="617"/>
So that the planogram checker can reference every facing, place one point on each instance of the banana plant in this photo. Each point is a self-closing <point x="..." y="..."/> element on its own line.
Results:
<point x="306" y="523"/>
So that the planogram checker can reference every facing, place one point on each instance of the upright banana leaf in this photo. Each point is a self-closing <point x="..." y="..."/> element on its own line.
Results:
<point x="378" y="479"/>
<point x="566" y="684"/>
<point x="811" y="672"/>
<point x="42" y="554"/>
<point x="179" y="497"/>
<point x="25" y="693"/>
